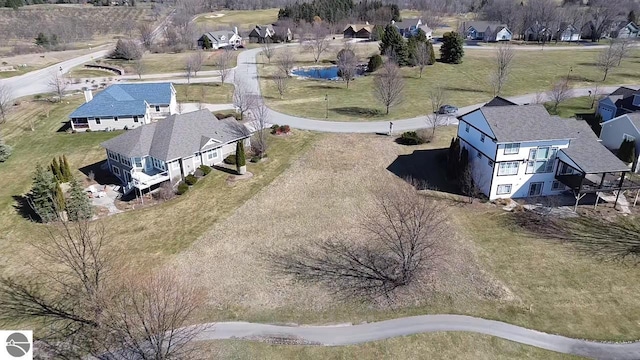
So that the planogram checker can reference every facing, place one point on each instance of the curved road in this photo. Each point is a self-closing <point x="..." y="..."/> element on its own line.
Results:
<point x="338" y="335"/>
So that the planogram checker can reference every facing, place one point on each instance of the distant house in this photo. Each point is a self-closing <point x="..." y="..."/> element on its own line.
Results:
<point x="522" y="151"/>
<point x="170" y="149"/>
<point x="123" y="106"/>
<point x="410" y="27"/>
<point x="358" y="31"/>
<point x="622" y="128"/>
<point x="486" y="31"/>
<point x="623" y="100"/>
<point x="564" y="32"/>
<point x="567" y="32"/>
<point x="538" y="32"/>
<point x="220" y="39"/>
<point x="261" y="33"/>
<point x="624" y="30"/>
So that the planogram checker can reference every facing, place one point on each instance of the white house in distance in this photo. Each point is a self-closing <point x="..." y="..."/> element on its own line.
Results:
<point x="220" y="39"/>
<point x="622" y="128"/>
<point x="172" y="148"/>
<point x="123" y="106"/>
<point x="522" y="151"/>
<point x="486" y="31"/>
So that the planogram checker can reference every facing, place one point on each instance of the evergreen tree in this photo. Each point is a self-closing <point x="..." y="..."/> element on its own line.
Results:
<point x="378" y="33"/>
<point x="206" y="43"/>
<point x="66" y="170"/>
<point x="240" y="155"/>
<point x="627" y="151"/>
<point x="41" y="196"/>
<point x="42" y="40"/>
<point x="58" y="198"/>
<point x="55" y="170"/>
<point x="453" y="159"/>
<point x="394" y="46"/>
<point x="78" y="205"/>
<point x="432" y="54"/>
<point x="374" y="64"/>
<point x="451" y="50"/>
<point x="5" y="150"/>
<point x="413" y="42"/>
<point x="632" y="17"/>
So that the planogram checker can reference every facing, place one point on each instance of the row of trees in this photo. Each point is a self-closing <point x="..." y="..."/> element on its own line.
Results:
<point x="417" y="51"/>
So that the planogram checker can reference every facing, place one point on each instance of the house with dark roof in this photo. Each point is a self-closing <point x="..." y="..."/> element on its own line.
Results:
<point x="624" y="30"/>
<point x="540" y="33"/>
<point x="215" y="40"/>
<point x="486" y="31"/>
<point x="522" y="151"/>
<point x="170" y="149"/>
<point x="358" y="31"/>
<point x="410" y="27"/>
<point x="124" y="106"/>
<point x="623" y="100"/>
<point x="274" y="33"/>
<point x="625" y="127"/>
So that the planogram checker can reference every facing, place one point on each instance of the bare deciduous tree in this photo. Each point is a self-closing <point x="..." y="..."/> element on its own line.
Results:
<point x="502" y="67"/>
<point x="316" y="41"/>
<point x="138" y="67"/>
<point x="197" y="60"/>
<point x="437" y="98"/>
<point x="607" y="59"/>
<point x="223" y="62"/>
<point x="402" y="235"/>
<point x="560" y="91"/>
<point x="281" y="80"/>
<point x="57" y="84"/>
<point x="268" y="49"/>
<point x="388" y="85"/>
<point x="347" y="62"/>
<point x="146" y="34"/>
<point x="422" y="56"/>
<point x="260" y="115"/>
<point x="285" y="61"/>
<point x="243" y="99"/>
<point x="5" y="102"/>
<point x="622" y="48"/>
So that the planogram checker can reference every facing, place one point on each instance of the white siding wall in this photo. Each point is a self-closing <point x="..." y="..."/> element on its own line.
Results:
<point x="165" y="110"/>
<point x="503" y="35"/>
<point x="112" y="124"/>
<point x="473" y="138"/>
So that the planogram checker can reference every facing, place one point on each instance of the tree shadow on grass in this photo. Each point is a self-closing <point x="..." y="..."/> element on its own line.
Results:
<point x="324" y="87"/>
<point x="22" y="207"/>
<point x="574" y="77"/>
<point x="225" y="169"/>
<point x="459" y="89"/>
<point x="358" y="111"/>
<point x="66" y="126"/>
<point x="427" y="167"/>
<point x="629" y="75"/>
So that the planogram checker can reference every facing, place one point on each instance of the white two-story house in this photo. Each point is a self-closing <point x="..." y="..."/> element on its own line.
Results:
<point x="124" y="106"/>
<point x="172" y="148"/>
<point x="522" y="151"/>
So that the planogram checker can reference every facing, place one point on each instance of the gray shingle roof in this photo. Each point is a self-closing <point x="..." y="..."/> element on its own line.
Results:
<point x="178" y="136"/>
<point x="125" y="100"/>
<point x="524" y="123"/>
<point x="219" y="36"/>
<point x="587" y="151"/>
<point x="499" y="101"/>
<point x="483" y="25"/>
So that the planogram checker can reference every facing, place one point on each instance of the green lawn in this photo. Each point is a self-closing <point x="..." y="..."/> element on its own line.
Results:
<point x="466" y="83"/>
<point x="243" y="19"/>
<point x="449" y="345"/>
<point x="19" y="71"/>
<point x="82" y="72"/>
<point x="207" y="93"/>
<point x="571" y="107"/>
<point x="153" y="63"/>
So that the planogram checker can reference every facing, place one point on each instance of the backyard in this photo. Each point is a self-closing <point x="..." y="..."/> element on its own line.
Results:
<point x="210" y="93"/>
<point x="465" y="84"/>
<point x="159" y="63"/>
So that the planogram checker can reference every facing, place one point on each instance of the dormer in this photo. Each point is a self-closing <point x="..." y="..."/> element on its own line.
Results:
<point x="636" y="100"/>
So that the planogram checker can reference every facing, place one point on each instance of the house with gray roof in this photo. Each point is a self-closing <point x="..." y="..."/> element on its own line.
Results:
<point x="410" y="27"/>
<point x="486" y="31"/>
<point x="221" y="39"/>
<point x="623" y="100"/>
<point x="518" y="151"/>
<point x="625" y="127"/>
<point x="170" y="149"/>
<point x="124" y="106"/>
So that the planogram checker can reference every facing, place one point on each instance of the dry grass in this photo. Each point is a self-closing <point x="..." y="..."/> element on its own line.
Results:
<point x="243" y="19"/>
<point x="158" y="63"/>
<point x="210" y="93"/>
<point x="319" y="197"/>
<point x="38" y="61"/>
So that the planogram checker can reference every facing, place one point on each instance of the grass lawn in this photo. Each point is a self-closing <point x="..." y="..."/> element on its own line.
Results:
<point x="424" y="346"/>
<point x="207" y="93"/>
<point x="573" y="106"/>
<point x="243" y="19"/>
<point x="466" y="83"/>
<point x="19" y="71"/>
<point x="82" y="72"/>
<point x="166" y="63"/>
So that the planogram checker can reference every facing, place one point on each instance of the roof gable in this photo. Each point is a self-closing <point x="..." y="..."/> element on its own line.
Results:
<point x="478" y="121"/>
<point x="125" y="100"/>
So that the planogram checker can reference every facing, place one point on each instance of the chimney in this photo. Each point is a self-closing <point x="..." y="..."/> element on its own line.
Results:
<point x="235" y="30"/>
<point x="366" y="23"/>
<point x="393" y="22"/>
<point x="88" y="95"/>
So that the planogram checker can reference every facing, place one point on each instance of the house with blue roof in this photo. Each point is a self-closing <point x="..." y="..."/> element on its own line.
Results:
<point x="124" y="106"/>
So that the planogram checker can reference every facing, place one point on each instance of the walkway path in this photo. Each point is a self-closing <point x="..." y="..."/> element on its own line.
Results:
<point x="338" y="335"/>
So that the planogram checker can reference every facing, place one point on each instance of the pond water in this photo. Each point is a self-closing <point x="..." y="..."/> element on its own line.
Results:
<point x="321" y="73"/>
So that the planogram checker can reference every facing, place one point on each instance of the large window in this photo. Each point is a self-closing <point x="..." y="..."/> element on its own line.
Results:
<point x="557" y="185"/>
<point x="508" y="168"/>
<point x="98" y="121"/>
<point x="212" y="154"/>
<point x="511" y="149"/>
<point x="113" y="156"/>
<point x="138" y="162"/>
<point x="541" y="160"/>
<point x="535" y="189"/>
<point x="504" y="189"/>
<point x="115" y="170"/>
<point x="125" y="160"/>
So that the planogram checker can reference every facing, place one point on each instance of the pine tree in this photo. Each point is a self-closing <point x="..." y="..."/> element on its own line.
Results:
<point x="206" y="43"/>
<point x="451" y="50"/>
<point x="240" y="156"/>
<point x="58" y="198"/>
<point x="41" y="196"/>
<point x="66" y="170"/>
<point x="55" y="170"/>
<point x="627" y="151"/>
<point x="632" y="17"/>
<point x="394" y="46"/>
<point x="432" y="54"/>
<point x="78" y="205"/>
<point x="5" y="150"/>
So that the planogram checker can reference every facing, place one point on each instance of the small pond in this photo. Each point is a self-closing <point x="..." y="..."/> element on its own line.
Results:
<point x="323" y="73"/>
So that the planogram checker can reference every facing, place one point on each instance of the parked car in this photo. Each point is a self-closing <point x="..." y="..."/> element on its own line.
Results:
<point x="447" y="109"/>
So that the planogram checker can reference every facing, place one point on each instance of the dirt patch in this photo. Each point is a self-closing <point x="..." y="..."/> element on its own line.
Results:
<point x="320" y="196"/>
<point x="214" y="16"/>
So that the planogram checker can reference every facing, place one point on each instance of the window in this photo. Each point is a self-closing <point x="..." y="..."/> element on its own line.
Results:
<point x="138" y="162"/>
<point x="125" y="160"/>
<point x="115" y="170"/>
<point x="541" y="160"/>
<point x="115" y="118"/>
<point x="508" y="168"/>
<point x="466" y="127"/>
<point x="175" y="165"/>
<point x="212" y="154"/>
<point x="490" y="162"/>
<point x="98" y="121"/>
<point x="481" y="137"/>
<point x="535" y="189"/>
<point x="157" y="108"/>
<point x="504" y="189"/>
<point x="135" y="119"/>
<point x="557" y="185"/>
<point x="511" y="149"/>
<point x="627" y="137"/>
<point x="127" y="176"/>
<point x="113" y="156"/>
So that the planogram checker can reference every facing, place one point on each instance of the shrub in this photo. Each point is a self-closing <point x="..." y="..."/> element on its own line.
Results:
<point x="231" y="159"/>
<point x="205" y="169"/>
<point x="165" y="192"/>
<point x="127" y="50"/>
<point x="182" y="188"/>
<point x="274" y="128"/>
<point x="285" y="129"/>
<point x="277" y="129"/>
<point x="410" y="138"/>
<point x="255" y="159"/>
<point x="191" y="179"/>
<point x="426" y="135"/>
<point x="374" y="63"/>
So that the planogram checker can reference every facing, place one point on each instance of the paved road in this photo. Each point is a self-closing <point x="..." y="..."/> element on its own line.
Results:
<point x="355" y="334"/>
